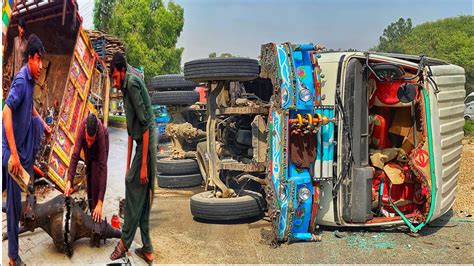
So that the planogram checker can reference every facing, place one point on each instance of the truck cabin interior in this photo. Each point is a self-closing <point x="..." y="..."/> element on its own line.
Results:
<point x="59" y="36"/>
<point x="385" y="147"/>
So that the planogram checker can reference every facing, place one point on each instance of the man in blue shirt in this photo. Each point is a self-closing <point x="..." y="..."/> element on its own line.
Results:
<point x="22" y="132"/>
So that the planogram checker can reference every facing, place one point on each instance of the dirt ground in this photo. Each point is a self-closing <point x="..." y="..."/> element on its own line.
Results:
<point x="464" y="204"/>
<point x="178" y="238"/>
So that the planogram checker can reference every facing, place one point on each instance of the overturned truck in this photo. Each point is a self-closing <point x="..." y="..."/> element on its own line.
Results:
<point x="338" y="139"/>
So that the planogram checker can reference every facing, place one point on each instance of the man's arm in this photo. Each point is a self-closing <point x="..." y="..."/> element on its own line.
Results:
<point x="34" y="112"/>
<point x="143" y="172"/>
<point x="71" y="173"/>
<point x="102" y="178"/>
<point x="8" y="123"/>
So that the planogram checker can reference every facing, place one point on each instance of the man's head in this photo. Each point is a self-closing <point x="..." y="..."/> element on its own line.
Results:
<point x="91" y="129"/>
<point x="118" y="69"/>
<point x="21" y="28"/>
<point x="34" y="55"/>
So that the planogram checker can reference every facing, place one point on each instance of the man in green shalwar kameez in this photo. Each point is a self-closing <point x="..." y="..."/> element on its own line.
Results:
<point x="140" y="175"/>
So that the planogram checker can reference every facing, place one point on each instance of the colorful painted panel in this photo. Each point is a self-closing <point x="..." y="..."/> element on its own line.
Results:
<point x="76" y="116"/>
<point x="63" y="141"/>
<point x="84" y="53"/>
<point x="58" y="166"/>
<point x="67" y="104"/>
<point x="79" y="75"/>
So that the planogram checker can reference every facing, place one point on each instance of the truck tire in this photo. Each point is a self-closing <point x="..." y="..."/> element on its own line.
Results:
<point x="170" y="166"/>
<point x="174" y="97"/>
<point x="232" y="69"/>
<point x="179" y="181"/>
<point x="173" y="82"/>
<point x="248" y="205"/>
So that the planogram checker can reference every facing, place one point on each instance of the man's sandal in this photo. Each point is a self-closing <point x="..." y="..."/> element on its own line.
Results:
<point x="119" y="251"/>
<point x="141" y="253"/>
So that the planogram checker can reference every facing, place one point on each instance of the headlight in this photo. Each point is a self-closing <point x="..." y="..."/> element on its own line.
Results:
<point x="304" y="194"/>
<point x="305" y="95"/>
<point x="284" y="96"/>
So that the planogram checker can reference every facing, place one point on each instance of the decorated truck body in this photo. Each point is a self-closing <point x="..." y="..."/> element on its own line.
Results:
<point x="73" y="82"/>
<point x="344" y="139"/>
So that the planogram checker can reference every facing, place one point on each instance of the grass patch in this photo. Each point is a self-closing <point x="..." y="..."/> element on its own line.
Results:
<point x="118" y="119"/>
<point x="469" y="127"/>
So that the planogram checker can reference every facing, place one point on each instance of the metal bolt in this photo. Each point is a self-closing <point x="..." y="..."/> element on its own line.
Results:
<point x="322" y="76"/>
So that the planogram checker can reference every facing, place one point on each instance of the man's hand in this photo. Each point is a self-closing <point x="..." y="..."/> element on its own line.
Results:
<point x="16" y="165"/>
<point x="68" y="190"/>
<point x="47" y="129"/>
<point x="97" y="214"/>
<point x="143" y="175"/>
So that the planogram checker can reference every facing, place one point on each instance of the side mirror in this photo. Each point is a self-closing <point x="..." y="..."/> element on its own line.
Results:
<point x="407" y="92"/>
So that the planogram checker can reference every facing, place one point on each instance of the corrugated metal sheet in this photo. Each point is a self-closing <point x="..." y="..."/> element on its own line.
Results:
<point x="447" y="122"/>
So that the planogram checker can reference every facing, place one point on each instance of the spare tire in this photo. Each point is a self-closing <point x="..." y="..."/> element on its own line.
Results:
<point x="179" y="181"/>
<point x="177" y="167"/>
<point x="171" y="82"/>
<point x="174" y="97"/>
<point x="248" y="205"/>
<point x="232" y="69"/>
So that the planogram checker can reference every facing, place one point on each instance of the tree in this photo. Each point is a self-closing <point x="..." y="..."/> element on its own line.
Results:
<point x="150" y="31"/>
<point x="102" y="13"/>
<point x="392" y="35"/>
<point x="223" y="55"/>
<point x="450" y="39"/>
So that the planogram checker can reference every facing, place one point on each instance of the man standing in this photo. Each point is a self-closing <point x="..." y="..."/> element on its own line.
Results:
<point x="140" y="175"/>
<point x="93" y="138"/>
<point x="19" y="46"/>
<point x="22" y="132"/>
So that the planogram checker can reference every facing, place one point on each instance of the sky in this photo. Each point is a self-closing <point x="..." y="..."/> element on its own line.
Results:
<point x="240" y="27"/>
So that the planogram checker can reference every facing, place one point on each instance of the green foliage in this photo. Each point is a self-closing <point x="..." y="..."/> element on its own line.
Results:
<point x="118" y="119"/>
<point x="393" y="34"/>
<point x="223" y="55"/>
<point x="102" y="13"/>
<point x="450" y="39"/>
<point x="150" y="31"/>
<point x="469" y="127"/>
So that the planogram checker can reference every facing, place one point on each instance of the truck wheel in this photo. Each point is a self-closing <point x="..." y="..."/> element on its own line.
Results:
<point x="179" y="181"/>
<point x="164" y="155"/>
<point x="174" y="97"/>
<point x="232" y="69"/>
<point x="248" y="205"/>
<point x="172" y="82"/>
<point x="170" y="166"/>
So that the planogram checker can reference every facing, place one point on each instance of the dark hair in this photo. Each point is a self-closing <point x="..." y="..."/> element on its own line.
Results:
<point x="22" y="23"/>
<point x="118" y="62"/>
<point x="34" y="46"/>
<point x="91" y="125"/>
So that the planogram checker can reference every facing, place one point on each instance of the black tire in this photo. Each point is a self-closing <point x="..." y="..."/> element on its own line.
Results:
<point x="248" y="205"/>
<point x="232" y="69"/>
<point x="172" y="82"/>
<point x="177" y="167"/>
<point x="164" y="155"/>
<point x="174" y="97"/>
<point x="179" y="181"/>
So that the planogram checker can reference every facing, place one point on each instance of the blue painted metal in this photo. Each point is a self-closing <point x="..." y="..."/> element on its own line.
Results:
<point x="296" y="73"/>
